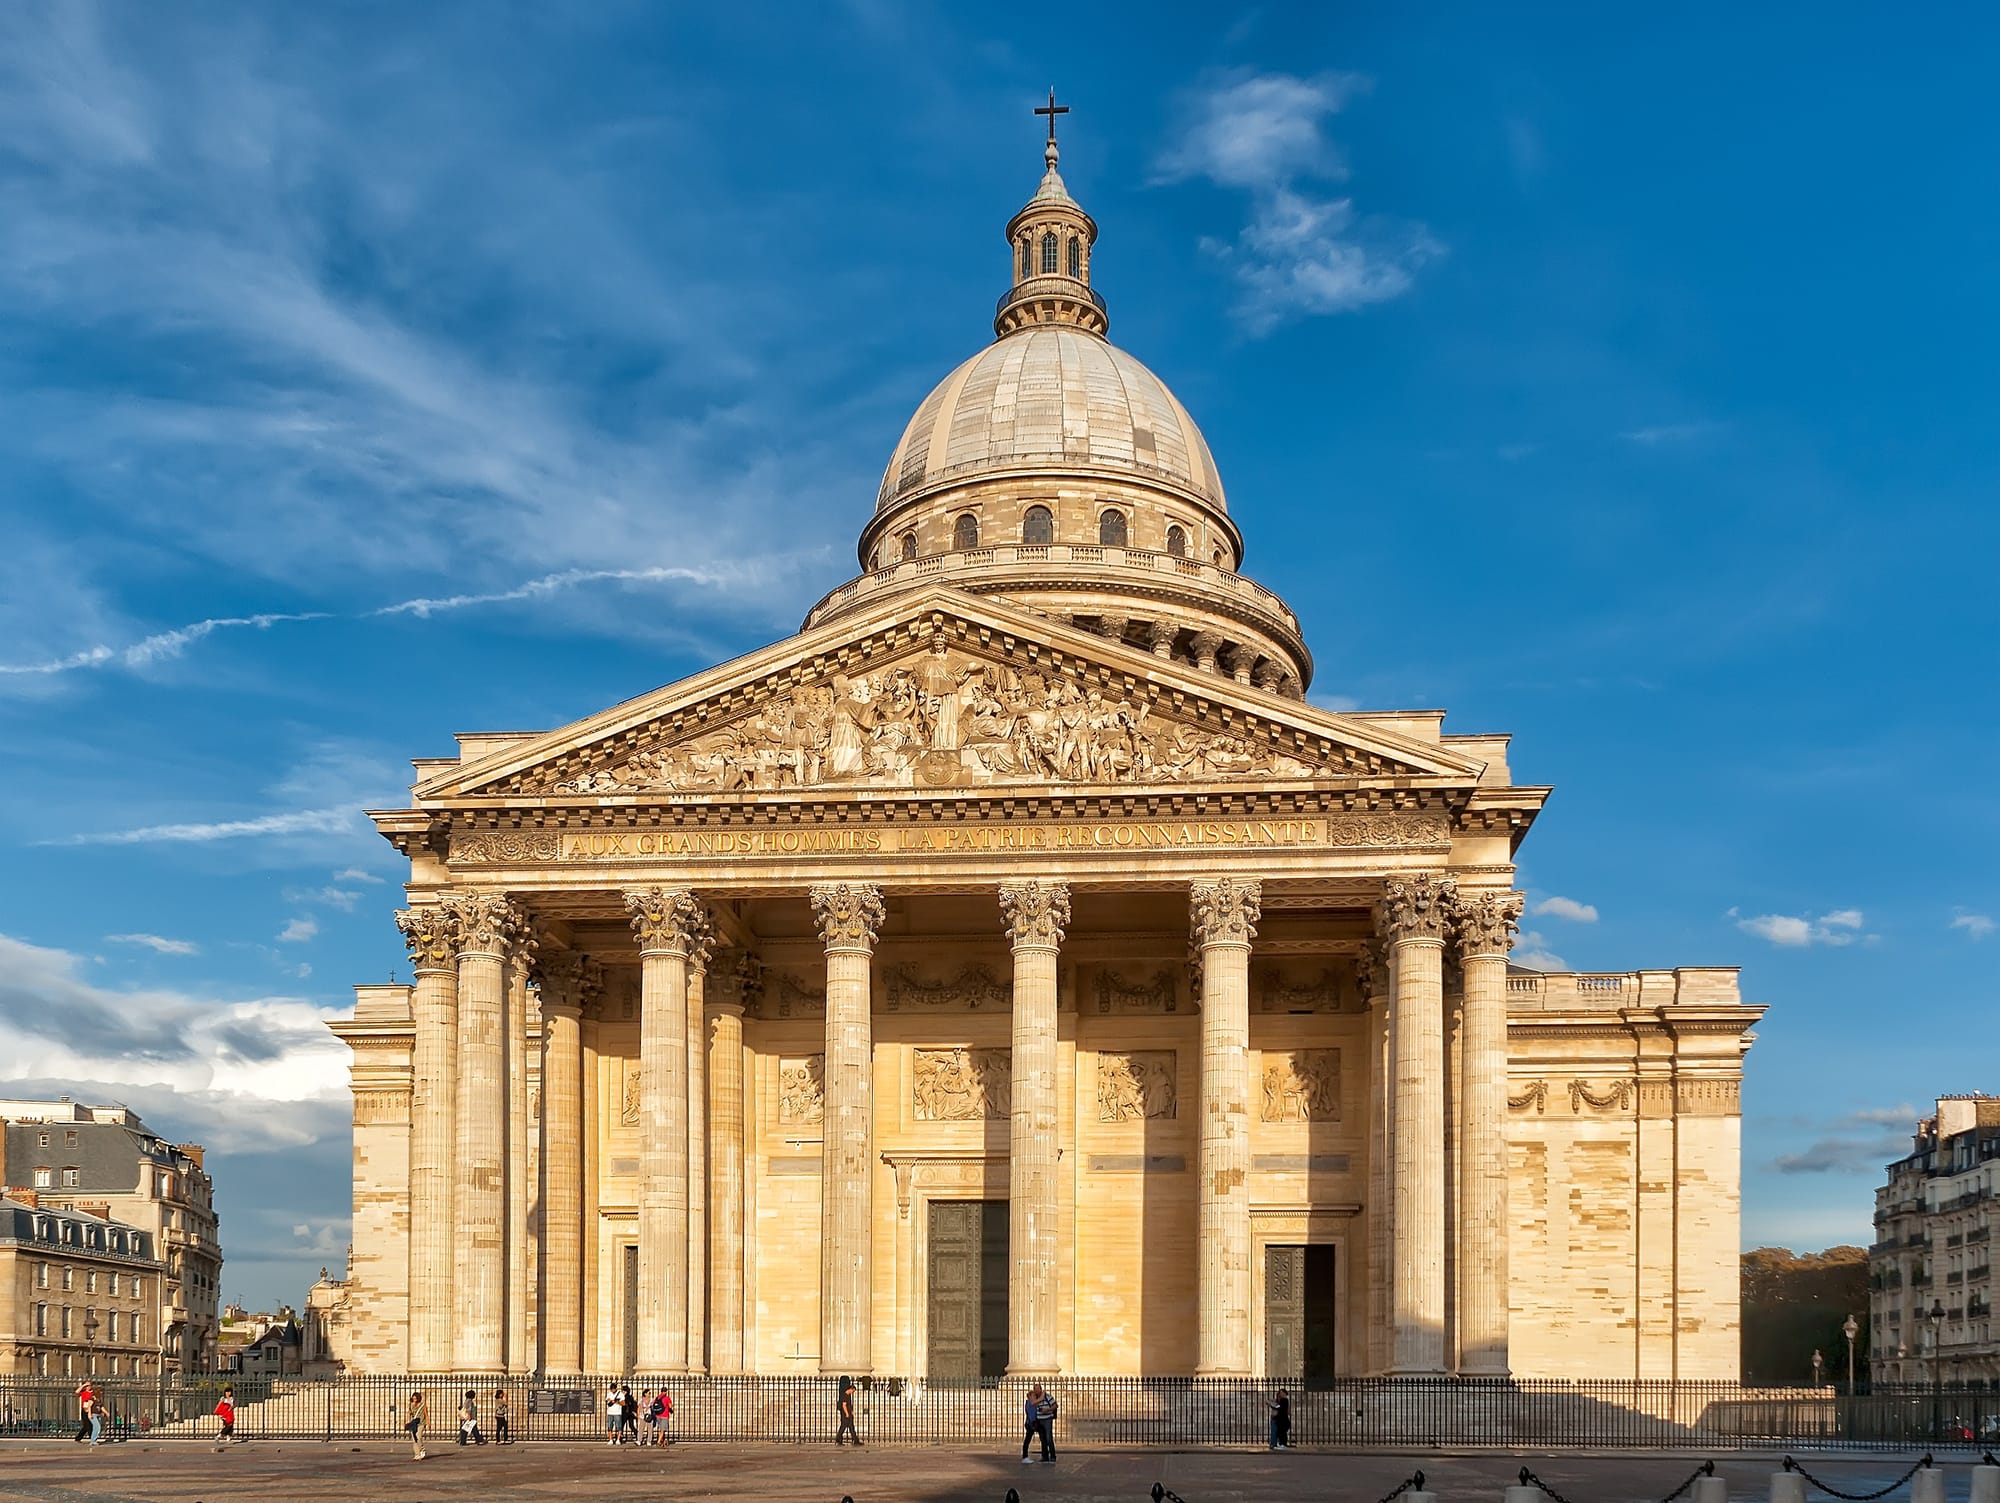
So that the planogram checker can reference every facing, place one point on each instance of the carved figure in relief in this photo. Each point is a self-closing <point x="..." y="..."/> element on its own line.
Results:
<point x="1156" y="994"/>
<point x="628" y="1111"/>
<point x="1136" y="1086"/>
<point x="962" y="1085"/>
<point x="802" y="1089"/>
<point x="1302" y="1086"/>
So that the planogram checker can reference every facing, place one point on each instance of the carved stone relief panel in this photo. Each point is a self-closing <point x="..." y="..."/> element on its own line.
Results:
<point x="1138" y="1085"/>
<point x="786" y="994"/>
<point x="910" y="988"/>
<point x="1135" y="991"/>
<point x="1306" y="988"/>
<point x="1302" y="1085"/>
<point x="962" y="1085"/>
<point x="802" y="1089"/>
<point x="629" y="1092"/>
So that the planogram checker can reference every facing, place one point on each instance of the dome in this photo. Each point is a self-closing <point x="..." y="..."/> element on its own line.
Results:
<point x="1051" y="398"/>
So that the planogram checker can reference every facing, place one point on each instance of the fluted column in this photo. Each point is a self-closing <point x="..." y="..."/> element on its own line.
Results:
<point x="432" y="935"/>
<point x="1374" y="977"/>
<point x="671" y="924"/>
<point x="570" y="982"/>
<point x="488" y="926"/>
<point x="726" y="1130"/>
<point x="849" y="917"/>
<point x="1485" y="932"/>
<point x="1224" y="915"/>
<point x="697" y="1095"/>
<point x="1036" y="914"/>
<point x="520" y="961"/>
<point x="1415" y="913"/>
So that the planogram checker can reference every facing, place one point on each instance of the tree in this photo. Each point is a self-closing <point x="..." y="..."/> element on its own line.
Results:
<point x="1794" y="1305"/>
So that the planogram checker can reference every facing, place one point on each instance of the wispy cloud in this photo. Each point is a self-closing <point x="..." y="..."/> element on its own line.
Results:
<point x="1304" y="250"/>
<point x="1976" y="926"/>
<point x="1532" y="950"/>
<point x="332" y="821"/>
<point x="1566" y="908"/>
<point x="1843" y="926"/>
<point x="1665" y="434"/>
<point x="356" y="874"/>
<point x="1858" y="1142"/>
<point x="156" y="942"/>
<point x="299" y="930"/>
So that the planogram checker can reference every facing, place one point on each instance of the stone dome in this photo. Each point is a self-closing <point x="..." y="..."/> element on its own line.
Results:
<point x="1051" y="398"/>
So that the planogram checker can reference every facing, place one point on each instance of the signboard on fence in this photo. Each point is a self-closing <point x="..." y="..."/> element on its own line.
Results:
<point x="562" y="1401"/>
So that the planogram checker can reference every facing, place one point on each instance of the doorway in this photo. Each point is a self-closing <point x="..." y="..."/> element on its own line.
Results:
<point x="1299" y="1311"/>
<point x="967" y="1290"/>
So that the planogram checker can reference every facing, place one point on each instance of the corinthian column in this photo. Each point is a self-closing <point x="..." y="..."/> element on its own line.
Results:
<point x="697" y="1166"/>
<point x="1374" y="976"/>
<point x="671" y="925"/>
<point x="520" y="962"/>
<point x="432" y="935"/>
<point x="488" y="926"/>
<point x="1415" y="913"/>
<point x="1036" y="913"/>
<point x="1485" y="930"/>
<point x="726" y="1126"/>
<point x="1224" y="915"/>
<point x="849" y="917"/>
<point x="570" y="981"/>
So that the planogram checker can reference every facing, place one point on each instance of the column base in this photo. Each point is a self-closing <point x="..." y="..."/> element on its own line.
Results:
<point x="1398" y="1374"/>
<point x="1222" y="1372"/>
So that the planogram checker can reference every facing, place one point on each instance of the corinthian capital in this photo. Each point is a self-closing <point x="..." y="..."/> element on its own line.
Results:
<point x="1416" y="907"/>
<point x="1486" y="923"/>
<point x="432" y="935"/>
<point x="571" y="981"/>
<point x="488" y="923"/>
<point x="1225" y="911"/>
<point x="1371" y="969"/>
<point x="1037" y="912"/>
<point x="670" y="920"/>
<point x="849" y="914"/>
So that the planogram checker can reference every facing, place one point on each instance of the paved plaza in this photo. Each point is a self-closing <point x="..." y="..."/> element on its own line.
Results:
<point x="60" y="1472"/>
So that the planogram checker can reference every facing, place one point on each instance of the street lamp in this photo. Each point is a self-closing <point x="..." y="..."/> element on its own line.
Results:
<point x="1850" y="1330"/>
<point x="1936" y="1319"/>
<point x="1819" y="1366"/>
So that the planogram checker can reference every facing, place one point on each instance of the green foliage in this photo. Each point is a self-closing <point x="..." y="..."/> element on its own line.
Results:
<point x="1793" y="1305"/>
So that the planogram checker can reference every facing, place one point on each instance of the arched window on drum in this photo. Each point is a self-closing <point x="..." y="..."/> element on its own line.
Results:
<point x="1111" y="528"/>
<point x="965" y="532"/>
<point x="1050" y="246"/>
<point x="909" y="545"/>
<point x="1038" y="526"/>
<point x="1076" y="257"/>
<point x="1026" y="260"/>
<point x="1177" y="540"/>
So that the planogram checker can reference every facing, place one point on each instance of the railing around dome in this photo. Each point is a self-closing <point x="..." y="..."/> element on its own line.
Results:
<point x="1036" y="287"/>
<point x="974" y="561"/>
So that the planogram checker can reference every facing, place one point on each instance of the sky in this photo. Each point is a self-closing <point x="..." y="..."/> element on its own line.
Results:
<point x="372" y="373"/>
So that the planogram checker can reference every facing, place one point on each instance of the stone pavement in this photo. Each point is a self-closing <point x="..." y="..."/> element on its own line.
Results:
<point x="305" y="1472"/>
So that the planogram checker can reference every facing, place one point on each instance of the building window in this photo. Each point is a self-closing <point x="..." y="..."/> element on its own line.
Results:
<point x="1038" y="527"/>
<point x="1076" y="258"/>
<point x="44" y="1178"/>
<point x="1177" y="541"/>
<point x="114" y="1283"/>
<point x="66" y="1312"/>
<point x="71" y="1179"/>
<point x="69" y="1278"/>
<point x="138" y="1328"/>
<point x="1218" y="558"/>
<point x="909" y="545"/>
<point x="41" y="1320"/>
<point x="1049" y="253"/>
<point x="41" y="1275"/>
<point x="965" y="532"/>
<point x="111" y="1325"/>
<point x="90" y="1281"/>
<point x="69" y="1140"/>
<point x="1111" y="528"/>
<point x="138" y="1287"/>
<point x="1024" y="260"/>
<point x="41" y="1140"/>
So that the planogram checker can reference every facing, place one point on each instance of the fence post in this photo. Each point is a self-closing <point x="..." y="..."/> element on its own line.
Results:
<point x="1788" y="1487"/>
<point x="1928" y="1485"/>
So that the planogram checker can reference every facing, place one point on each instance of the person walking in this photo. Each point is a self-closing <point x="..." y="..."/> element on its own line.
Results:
<point x="844" y="1409"/>
<point x="501" y="1435"/>
<point x="1045" y="1425"/>
<point x="630" y="1407"/>
<point x="658" y="1413"/>
<point x="468" y="1420"/>
<point x="85" y="1397"/>
<point x="1029" y="1428"/>
<point x="1281" y="1421"/>
<point x="414" y="1424"/>
<point x="225" y="1410"/>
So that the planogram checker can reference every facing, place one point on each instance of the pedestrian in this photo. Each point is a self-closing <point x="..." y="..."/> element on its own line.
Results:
<point x="614" y="1416"/>
<point x="1045" y="1425"/>
<point x="647" y="1417"/>
<point x="1029" y="1429"/>
<point x="468" y="1420"/>
<point x="225" y="1410"/>
<point x="844" y="1407"/>
<point x="1281" y="1421"/>
<point x="7" y="1415"/>
<point x="85" y="1397"/>
<point x="630" y="1406"/>
<point x="501" y="1437"/>
<point x="100" y="1421"/>
<point x="657" y="1414"/>
<point x="415" y="1425"/>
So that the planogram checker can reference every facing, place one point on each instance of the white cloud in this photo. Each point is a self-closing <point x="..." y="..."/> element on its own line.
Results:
<point x="1840" y="927"/>
<point x="356" y="874"/>
<point x="1567" y="908"/>
<point x="299" y="930"/>
<point x="1532" y="951"/>
<point x="1302" y="251"/>
<point x="1338" y="704"/>
<point x="1662" y="434"/>
<point x="1976" y="925"/>
<point x="156" y="942"/>
<point x="334" y="821"/>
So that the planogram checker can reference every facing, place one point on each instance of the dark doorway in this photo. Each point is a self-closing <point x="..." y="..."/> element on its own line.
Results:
<point x="631" y="1260"/>
<point x="968" y="1289"/>
<point x="1298" y="1312"/>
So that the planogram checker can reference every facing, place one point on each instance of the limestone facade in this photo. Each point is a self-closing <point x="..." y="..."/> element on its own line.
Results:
<point x="1022" y="876"/>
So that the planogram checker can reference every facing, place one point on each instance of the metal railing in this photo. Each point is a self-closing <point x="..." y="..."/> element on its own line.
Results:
<point x="1094" y="1412"/>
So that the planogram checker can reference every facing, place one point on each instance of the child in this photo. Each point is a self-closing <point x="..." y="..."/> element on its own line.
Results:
<point x="225" y="1410"/>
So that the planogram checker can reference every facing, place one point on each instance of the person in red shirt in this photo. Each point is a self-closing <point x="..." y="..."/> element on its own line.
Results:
<point x="85" y="1397"/>
<point x="225" y="1410"/>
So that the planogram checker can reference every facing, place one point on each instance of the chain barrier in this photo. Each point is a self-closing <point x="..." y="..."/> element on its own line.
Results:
<point x="1164" y="1494"/>
<point x="1529" y="1479"/>
<point x="1414" y="1483"/>
<point x="1880" y="1492"/>
<point x="1706" y="1469"/>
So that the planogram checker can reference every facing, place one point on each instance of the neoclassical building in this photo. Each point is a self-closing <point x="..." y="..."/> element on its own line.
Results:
<point x="1012" y="971"/>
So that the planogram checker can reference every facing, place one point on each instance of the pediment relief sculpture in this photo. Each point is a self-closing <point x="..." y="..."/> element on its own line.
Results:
<point x="942" y="720"/>
<point x="962" y="1085"/>
<point x="906" y="989"/>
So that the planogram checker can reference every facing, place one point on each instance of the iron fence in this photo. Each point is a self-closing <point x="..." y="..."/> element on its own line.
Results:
<point x="1156" y="1413"/>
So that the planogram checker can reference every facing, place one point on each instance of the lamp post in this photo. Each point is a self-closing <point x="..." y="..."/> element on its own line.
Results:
<point x="1819" y="1366"/>
<point x="1936" y="1319"/>
<point x="1850" y="1330"/>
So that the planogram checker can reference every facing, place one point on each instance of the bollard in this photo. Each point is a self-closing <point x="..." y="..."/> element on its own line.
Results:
<point x="1710" y="1490"/>
<point x="1418" y="1495"/>
<point x="1928" y="1485"/>
<point x="1788" y="1487"/>
<point x="1986" y="1484"/>
<point x="1521" y="1493"/>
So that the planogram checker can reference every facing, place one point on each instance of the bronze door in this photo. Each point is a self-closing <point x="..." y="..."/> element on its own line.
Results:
<point x="968" y="1289"/>
<point x="1299" y="1312"/>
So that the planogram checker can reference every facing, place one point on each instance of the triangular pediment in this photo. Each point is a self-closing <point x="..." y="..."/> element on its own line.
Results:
<point x="942" y="692"/>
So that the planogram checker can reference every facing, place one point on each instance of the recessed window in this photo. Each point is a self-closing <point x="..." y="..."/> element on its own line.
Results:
<point x="1111" y="528"/>
<point x="1218" y="558"/>
<point x="1038" y="526"/>
<point x="965" y="532"/>
<point x="1049" y="247"/>
<point x="41" y="1320"/>
<point x="69" y="1140"/>
<point x="41" y="1139"/>
<point x="69" y="1278"/>
<point x="1075" y="257"/>
<point x="71" y="1179"/>
<point x="1177" y="541"/>
<point x="909" y="545"/>
<point x="1025" y="263"/>
<point x="44" y="1178"/>
<point x="111" y="1325"/>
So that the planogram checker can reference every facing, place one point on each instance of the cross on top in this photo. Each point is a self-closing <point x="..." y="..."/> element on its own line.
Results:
<point x="1052" y="109"/>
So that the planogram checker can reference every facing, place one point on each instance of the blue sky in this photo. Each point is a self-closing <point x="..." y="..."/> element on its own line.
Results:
<point x="371" y="373"/>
